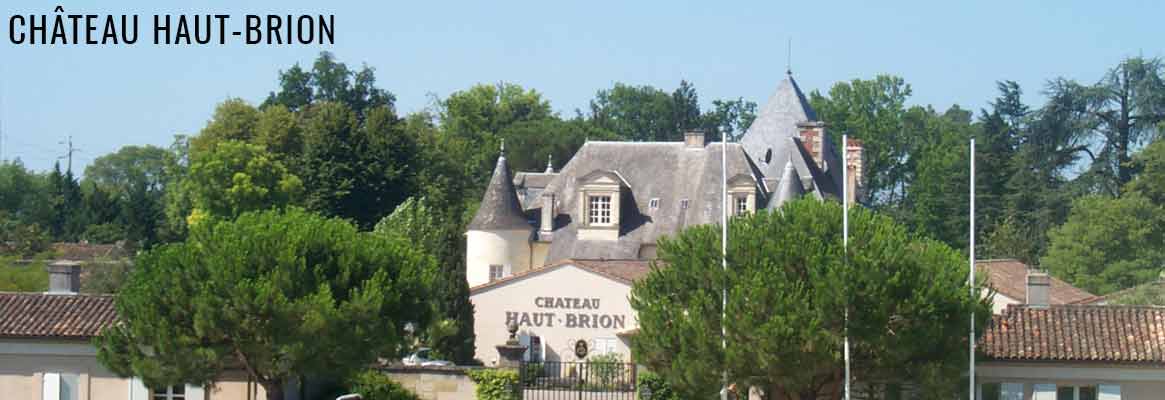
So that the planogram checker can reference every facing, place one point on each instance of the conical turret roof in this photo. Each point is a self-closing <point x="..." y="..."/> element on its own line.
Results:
<point x="500" y="209"/>
<point x="788" y="189"/>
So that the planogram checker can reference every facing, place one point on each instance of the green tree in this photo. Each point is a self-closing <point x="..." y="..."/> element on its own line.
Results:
<point x="440" y="237"/>
<point x="1114" y="116"/>
<point x="639" y="113"/>
<point x="330" y="81"/>
<point x="131" y="184"/>
<point x="789" y="287"/>
<point x="1150" y="182"/>
<point x="875" y="112"/>
<point x="235" y="177"/>
<point x="284" y="294"/>
<point x="354" y="170"/>
<point x="233" y="120"/>
<point x="1108" y="244"/>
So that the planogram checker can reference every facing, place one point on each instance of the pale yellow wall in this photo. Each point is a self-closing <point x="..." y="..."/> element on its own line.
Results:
<point x="21" y="375"/>
<point x="491" y="305"/>
<point x="436" y="386"/>
<point x="539" y="251"/>
<point x="483" y="248"/>
<point x="23" y="363"/>
<point x="236" y="386"/>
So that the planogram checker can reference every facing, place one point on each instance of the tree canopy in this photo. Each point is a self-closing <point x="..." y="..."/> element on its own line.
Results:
<point x="789" y="286"/>
<point x="280" y="293"/>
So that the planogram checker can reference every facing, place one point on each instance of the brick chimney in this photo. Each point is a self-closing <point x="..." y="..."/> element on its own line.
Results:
<point x="1039" y="286"/>
<point x="694" y="139"/>
<point x="813" y="138"/>
<point x="546" y="227"/>
<point x="853" y="165"/>
<point x="64" y="277"/>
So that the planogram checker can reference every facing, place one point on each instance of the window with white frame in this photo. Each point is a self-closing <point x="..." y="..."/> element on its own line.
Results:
<point x="603" y="345"/>
<point x="599" y="210"/>
<point x="653" y="204"/>
<point x="58" y="386"/>
<point x="1076" y="393"/>
<point x="740" y="205"/>
<point x="1001" y="391"/>
<point x="176" y="392"/>
<point x="496" y="272"/>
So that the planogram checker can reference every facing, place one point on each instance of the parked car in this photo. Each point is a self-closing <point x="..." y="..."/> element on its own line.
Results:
<point x="421" y="358"/>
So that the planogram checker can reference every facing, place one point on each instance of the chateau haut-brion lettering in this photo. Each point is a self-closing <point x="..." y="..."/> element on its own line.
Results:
<point x="569" y="312"/>
<point x="62" y="29"/>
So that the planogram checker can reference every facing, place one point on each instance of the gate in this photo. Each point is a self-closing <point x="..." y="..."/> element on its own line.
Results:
<point x="559" y="380"/>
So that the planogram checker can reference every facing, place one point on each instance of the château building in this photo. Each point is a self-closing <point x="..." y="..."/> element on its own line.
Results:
<point x="556" y="251"/>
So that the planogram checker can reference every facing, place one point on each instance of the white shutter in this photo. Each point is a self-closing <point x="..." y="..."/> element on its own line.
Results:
<point x="52" y="386"/>
<point x="195" y="392"/>
<point x="138" y="390"/>
<point x="1011" y="391"/>
<point x="1109" y="392"/>
<point x="1044" y="391"/>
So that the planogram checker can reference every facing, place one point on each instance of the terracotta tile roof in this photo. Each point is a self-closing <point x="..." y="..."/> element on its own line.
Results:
<point x="87" y="251"/>
<point x="68" y="316"/>
<point x="1009" y="278"/>
<point x="625" y="271"/>
<point x="1080" y="333"/>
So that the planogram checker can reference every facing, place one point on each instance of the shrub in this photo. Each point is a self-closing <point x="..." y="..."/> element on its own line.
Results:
<point x="659" y="388"/>
<point x="606" y="368"/>
<point x="495" y="384"/>
<point x="375" y="385"/>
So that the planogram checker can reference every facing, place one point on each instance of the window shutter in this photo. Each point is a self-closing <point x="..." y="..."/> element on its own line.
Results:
<point x="52" y="386"/>
<point x="195" y="392"/>
<point x="1044" y="391"/>
<point x="1109" y="392"/>
<point x="138" y="390"/>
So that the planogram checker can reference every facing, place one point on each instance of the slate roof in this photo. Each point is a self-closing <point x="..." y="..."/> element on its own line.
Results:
<point x="62" y="316"/>
<point x="1077" y="333"/>
<point x="1009" y="278"/>
<point x="623" y="271"/>
<point x="500" y="208"/>
<point x="788" y="189"/>
<point x="668" y="171"/>
<point x="768" y="139"/>
<point x="529" y="186"/>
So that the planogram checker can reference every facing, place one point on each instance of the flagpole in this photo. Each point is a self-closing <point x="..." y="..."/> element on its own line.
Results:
<point x="845" y="243"/>
<point x="971" y="279"/>
<point x="724" y="259"/>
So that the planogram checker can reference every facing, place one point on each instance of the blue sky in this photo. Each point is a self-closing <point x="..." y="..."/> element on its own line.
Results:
<point x="950" y="52"/>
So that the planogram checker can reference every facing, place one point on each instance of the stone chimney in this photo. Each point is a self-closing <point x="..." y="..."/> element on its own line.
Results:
<point x="694" y="139"/>
<point x="853" y="165"/>
<point x="1039" y="286"/>
<point x="64" y="277"/>
<point x="813" y="138"/>
<point x="546" y="227"/>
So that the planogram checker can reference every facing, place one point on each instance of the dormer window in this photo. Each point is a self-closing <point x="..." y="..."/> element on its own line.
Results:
<point x="599" y="210"/>
<point x="742" y="195"/>
<point x="599" y="199"/>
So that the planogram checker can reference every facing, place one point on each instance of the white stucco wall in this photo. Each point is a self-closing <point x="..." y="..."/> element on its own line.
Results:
<point x="559" y="328"/>
<point x="485" y="248"/>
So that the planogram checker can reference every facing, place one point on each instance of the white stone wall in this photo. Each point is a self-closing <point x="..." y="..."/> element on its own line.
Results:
<point x="484" y="248"/>
<point x="558" y="323"/>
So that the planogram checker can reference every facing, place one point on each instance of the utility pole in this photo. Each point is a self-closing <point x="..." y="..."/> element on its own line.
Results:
<point x="69" y="150"/>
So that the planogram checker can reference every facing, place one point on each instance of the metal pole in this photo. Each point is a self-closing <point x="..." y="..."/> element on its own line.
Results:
<point x="971" y="280"/>
<point x="845" y="243"/>
<point x="724" y="262"/>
